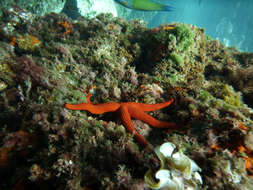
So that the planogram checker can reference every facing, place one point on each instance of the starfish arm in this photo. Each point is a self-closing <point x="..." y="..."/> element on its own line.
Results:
<point x="127" y="122"/>
<point x="138" y="114"/>
<point x="152" y="107"/>
<point x="94" y="108"/>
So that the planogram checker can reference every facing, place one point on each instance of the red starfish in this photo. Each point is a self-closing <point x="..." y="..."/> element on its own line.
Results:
<point x="127" y="110"/>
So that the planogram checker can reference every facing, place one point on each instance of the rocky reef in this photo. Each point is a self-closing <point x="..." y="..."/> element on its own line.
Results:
<point x="46" y="61"/>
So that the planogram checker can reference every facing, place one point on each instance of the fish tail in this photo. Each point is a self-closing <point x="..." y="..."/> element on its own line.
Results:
<point x="167" y="8"/>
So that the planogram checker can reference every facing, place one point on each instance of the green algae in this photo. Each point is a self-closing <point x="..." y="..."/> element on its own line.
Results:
<point x="227" y="94"/>
<point x="3" y="86"/>
<point x="231" y="97"/>
<point x="177" y="58"/>
<point x="184" y="36"/>
<point x="205" y="96"/>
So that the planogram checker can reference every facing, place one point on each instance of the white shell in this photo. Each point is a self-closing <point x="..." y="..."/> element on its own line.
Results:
<point x="166" y="181"/>
<point x="197" y="176"/>
<point x="167" y="149"/>
<point x="177" y="171"/>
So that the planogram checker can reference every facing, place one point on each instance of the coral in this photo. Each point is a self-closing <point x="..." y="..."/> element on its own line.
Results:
<point x="67" y="26"/>
<point x="123" y="176"/>
<point x="27" y="42"/>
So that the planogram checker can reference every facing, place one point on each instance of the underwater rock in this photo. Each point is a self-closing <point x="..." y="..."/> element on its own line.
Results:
<point x="36" y="7"/>
<point x="92" y="8"/>
<point x="48" y="61"/>
<point x="177" y="171"/>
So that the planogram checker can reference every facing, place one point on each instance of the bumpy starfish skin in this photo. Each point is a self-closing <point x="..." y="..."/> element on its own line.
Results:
<point x="126" y="111"/>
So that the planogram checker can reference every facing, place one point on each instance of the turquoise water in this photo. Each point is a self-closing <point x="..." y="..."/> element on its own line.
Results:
<point x="230" y="21"/>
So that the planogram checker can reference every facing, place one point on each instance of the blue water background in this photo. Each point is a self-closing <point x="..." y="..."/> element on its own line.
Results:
<point x="230" y="21"/>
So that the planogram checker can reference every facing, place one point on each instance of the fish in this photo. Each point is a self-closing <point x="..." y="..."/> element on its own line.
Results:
<point x="144" y="5"/>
